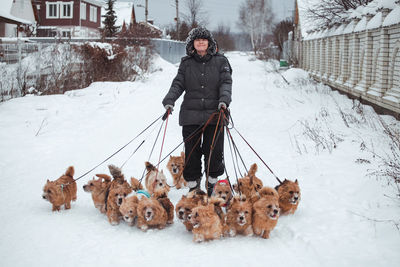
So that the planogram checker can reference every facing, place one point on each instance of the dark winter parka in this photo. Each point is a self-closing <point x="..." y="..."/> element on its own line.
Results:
<point x="205" y="80"/>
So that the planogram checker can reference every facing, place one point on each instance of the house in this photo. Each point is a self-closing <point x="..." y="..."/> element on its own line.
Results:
<point x="68" y="18"/>
<point x="16" y="18"/>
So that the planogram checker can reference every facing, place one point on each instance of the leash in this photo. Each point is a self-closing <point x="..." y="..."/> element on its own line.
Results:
<point x="112" y="155"/>
<point x="162" y="144"/>
<point x="151" y="152"/>
<point x="276" y="177"/>
<point x="199" y="130"/>
<point x="212" y="146"/>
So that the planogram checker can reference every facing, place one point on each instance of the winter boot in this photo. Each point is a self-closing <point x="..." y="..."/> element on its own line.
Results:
<point x="193" y="185"/>
<point x="211" y="184"/>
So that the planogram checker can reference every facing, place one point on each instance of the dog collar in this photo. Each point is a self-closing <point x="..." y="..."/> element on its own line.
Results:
<point x="143" y="192"/>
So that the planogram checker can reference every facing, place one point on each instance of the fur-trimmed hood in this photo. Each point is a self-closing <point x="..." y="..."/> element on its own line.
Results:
<point x="200" y="33"/>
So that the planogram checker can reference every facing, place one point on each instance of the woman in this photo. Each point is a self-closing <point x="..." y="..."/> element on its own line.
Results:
<point x="205" y="77"/>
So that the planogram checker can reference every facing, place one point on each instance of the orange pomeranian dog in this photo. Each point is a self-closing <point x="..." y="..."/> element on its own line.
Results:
<point x="151" y="214"/>
<point x="99" y="189"/>
<point x="175" y="166"/>
<point x="265" y="215"/>
<point x="114" y="201"/>
<point x="289" y="196"/>
<point x="156" y="182"/>
<point x="239" y="217"/>
<point x="61" y="191"/>
<point x="249" y="184"/>
<point x="206" y="223"/>
<point x="185" y="205"/>
<point x="128" y="209"/>
<point x="223" y="190"/>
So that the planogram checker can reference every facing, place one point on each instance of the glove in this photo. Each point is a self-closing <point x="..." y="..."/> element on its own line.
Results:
<point x="171" y="107"/>
<point x="221" y="105"/>
<point x="167" y="107"/>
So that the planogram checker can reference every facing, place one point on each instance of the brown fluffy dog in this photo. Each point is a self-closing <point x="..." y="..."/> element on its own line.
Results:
<point x="175" y="166"/>
<point x="99" y="189"/>
<point x="265" y="215"/>
<point x="61" y="191"/>
<point x="156" y="181"/>
<point x="185" y="205"/>
<point x="169" y="208"/>
<point x="151" y="214"/>
<point x="223" y="190"/>
<point x="289" y="196"/>
<point x="239" y="217"/>
<point x="128" y="209"/>
<point x="114" y="201"/>
<point x="206" y="223"/>
<point x="249" y="184"/>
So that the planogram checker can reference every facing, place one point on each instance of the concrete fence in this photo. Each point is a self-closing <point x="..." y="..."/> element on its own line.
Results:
<point x="360" y="57"/>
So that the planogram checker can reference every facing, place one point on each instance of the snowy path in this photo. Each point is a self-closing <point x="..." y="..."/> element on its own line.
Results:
<point x="41" y="136"/>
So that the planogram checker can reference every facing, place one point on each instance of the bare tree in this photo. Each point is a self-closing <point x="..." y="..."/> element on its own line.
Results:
<point x="196" y="15"/>
<point x="328" y="12"/>
<point x="281" y="31"/>
<point x="255" y="18"/>
<point x="224" y="38"/>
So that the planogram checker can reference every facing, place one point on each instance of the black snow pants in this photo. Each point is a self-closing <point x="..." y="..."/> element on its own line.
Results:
<point x="193" y="171"/>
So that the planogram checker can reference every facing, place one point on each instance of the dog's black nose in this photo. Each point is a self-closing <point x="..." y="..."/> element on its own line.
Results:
<point x="43" y="197"/>
<point x="296" y="198"/>
<point x="181" y="212"/>
<point x="275" y="211"/>
<point x="241" y="218"/>
<point x="120" y="201"/>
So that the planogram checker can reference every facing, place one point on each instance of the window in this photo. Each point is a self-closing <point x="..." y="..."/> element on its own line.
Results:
<point x="66" y="34"/>
<point x="83" y="11"/>
<point x="66" y="10"/>
<point x="93" y="13"/>
<point x="51" y="10"/>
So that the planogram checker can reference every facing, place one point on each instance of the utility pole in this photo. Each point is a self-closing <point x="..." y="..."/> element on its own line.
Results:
<point x="177" y="18"/>
<point x="146" y="12"/>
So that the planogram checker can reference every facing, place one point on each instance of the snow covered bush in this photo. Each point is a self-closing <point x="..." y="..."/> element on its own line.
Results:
<point x="56" y="68"/>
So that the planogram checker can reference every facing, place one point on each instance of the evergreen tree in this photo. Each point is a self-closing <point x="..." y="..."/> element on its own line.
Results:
<point x="109" y="20"/>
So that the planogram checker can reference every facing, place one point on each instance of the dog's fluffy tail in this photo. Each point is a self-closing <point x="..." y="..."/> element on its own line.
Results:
<point x="70" y="171"/>
<point x="149" y="166"/>
<point x="116" y="172"/>
<point x="253" y="170"/>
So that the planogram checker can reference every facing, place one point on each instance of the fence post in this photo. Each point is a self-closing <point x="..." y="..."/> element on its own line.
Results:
<point x="19" y="71"/>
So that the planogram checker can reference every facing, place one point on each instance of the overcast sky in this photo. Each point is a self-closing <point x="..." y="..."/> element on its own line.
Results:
<point x="218" y="11"/>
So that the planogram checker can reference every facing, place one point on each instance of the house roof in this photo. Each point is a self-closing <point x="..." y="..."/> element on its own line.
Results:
<point x="94" y="2"/>
<point x="8" y="18"/>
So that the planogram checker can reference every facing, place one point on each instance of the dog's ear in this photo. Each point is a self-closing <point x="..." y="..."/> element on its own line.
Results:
<point x="48" y="180"/>
<point x="296" y="182"/>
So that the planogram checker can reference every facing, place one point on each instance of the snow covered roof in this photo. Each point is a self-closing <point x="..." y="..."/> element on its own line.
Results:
<point x="94" y="2"/>
<point x="13" y="19"/>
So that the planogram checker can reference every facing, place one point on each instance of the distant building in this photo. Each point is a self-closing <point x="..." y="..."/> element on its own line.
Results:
<point x="16" y="18"/>
<point x="68" y="18"/>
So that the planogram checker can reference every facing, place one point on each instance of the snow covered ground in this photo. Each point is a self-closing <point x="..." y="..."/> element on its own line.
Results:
<point x="303" y="131"/>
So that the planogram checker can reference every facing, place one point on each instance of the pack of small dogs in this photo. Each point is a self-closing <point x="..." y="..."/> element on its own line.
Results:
<point x="254" y="210"/>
